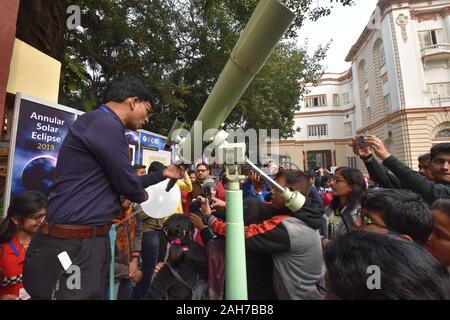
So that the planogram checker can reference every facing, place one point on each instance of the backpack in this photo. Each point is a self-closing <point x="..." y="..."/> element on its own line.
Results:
<point x="200" y="288"/>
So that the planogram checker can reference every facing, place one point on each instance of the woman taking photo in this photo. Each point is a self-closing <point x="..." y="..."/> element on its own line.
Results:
<point x="25" y="215"/>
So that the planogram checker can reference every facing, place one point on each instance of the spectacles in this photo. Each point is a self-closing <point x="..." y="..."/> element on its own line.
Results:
<point x="322" y="290"/>
<point x="148" y="107"/>
<point x="367" y="220"/>
<point x="39" y="217"/>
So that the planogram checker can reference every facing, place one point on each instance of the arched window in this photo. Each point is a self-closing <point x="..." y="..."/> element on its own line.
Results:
<point x="443" y="133"/>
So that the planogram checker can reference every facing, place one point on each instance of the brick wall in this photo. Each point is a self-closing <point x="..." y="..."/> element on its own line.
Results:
<point x="8" y="18"/>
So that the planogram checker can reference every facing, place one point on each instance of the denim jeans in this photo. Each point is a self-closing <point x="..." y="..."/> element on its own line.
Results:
<point x="151" y="243"/>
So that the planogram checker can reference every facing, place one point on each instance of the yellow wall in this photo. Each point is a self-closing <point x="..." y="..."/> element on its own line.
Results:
<point x="34" y="73"/>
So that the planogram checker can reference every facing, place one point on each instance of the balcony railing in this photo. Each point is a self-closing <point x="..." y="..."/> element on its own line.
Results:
<point x="436" y="49"/>
<point x="441" y="101"/>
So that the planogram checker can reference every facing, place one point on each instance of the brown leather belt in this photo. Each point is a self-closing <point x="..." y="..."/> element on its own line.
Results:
<point x="67" y="231"/>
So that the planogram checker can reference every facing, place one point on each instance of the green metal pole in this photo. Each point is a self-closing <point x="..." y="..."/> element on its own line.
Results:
<point x="112" y="239"/>
<point x="235" y="263"/>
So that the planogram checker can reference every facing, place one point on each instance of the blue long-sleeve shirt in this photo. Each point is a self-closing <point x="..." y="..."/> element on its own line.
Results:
<point x="249" y="192"/>
<point x="93" y="170"/>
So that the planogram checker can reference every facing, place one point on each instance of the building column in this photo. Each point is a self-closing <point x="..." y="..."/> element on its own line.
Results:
<point x="446" y="16"/>
<point x="8" y="19"/>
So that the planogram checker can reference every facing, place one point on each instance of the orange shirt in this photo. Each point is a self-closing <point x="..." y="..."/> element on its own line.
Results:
<point x="12" y="256"/>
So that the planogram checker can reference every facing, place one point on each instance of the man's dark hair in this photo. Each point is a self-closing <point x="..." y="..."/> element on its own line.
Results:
<point x="442" y="205"/>
<point x="402" y="211"/>
<point x="356" y="180"/>
<point x="136" y="167"/>
<point x="439" y="148"/>
<point x="294" y="178"/>
<point x="127" y="87"/>
<point x="408" y="271"/>
<point x="424" y="157"/>
<point x="203" y="164"/>
<point x="155" y="166"/>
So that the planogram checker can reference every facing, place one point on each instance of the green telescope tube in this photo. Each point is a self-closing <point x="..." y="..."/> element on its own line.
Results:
<point x="267" y="25"/>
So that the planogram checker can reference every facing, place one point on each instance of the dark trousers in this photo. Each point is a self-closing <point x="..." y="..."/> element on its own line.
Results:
<point x="150" y="252"/>
<point x="44" y="277"/>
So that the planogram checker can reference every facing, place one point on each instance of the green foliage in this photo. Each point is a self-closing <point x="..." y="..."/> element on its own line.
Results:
<point x="179" y="47"/>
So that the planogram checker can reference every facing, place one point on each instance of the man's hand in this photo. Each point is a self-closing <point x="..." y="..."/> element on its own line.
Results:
<point x="137" y="276"/>
<point x="158" y="267"/>
<point x="364" y="152"/>
<point x="218" y="203"/>
<point x="197" y="221"/>
<point x="377" y="147"/>
<point x="173" y="172"/>
<point x="205" y="209"/>
<point x="133" y="267"/>
<point x="256" y="181"/>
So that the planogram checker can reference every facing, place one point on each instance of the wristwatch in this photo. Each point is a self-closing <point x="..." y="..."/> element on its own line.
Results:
<point x="366" y="158"/>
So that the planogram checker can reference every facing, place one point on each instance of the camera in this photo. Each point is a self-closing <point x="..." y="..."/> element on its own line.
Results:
<point x="361" y="143"/>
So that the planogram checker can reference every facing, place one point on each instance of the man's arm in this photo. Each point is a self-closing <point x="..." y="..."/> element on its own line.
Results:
<point x="270" y="236"/>
<point x="379" y="175"/>
<point x="410" y="179"/>
<point x="105" y="139"/>
<point x="375" y="170"/>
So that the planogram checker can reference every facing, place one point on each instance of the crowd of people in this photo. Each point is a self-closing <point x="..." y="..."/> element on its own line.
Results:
<point x="350" y="222"/>
<point x="380" y="235"/>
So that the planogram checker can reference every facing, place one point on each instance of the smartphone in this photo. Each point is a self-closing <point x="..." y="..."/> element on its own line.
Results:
<point x="361" y="143"/>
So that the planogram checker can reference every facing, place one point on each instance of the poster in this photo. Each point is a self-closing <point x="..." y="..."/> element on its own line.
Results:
<point x="37" y="135"/>
<point x="151" y="149"/>
<point x="151" y="140"/>
<point x="133" y="144"/>
<point x="148" y="156"/>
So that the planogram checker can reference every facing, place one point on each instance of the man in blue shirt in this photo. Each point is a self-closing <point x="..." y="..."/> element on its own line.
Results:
<point x="92" y="172"/>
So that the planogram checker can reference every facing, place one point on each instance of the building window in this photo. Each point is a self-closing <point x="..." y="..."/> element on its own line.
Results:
<point x="336" y="100"/>
<point x="318" y="101"/>
<point x="351" y="162"/>
<point x="431" y="37"/>
<point x="348" y="130"/>
<point x="444" y="133"/>
<point x="369" y="111"/>
<point x="382" y="56"/>
<point x="439" y="90"/>
<point x="319" y="159"/>
<point x="346" y="98"/>
<point x="319" y="130"/>
<point x="387" y="102"/>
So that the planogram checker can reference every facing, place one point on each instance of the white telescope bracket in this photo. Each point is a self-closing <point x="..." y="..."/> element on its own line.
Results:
<point x="233" y="156"/>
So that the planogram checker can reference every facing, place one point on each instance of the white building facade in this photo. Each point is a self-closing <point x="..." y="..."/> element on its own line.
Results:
<point x="398" y="89"/>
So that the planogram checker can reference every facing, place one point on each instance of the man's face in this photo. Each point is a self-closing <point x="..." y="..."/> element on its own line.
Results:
<point x="139" y="113"/>
<point x="425" y="169"/>
<point x="440" y="167"/>
<point x="278" y="201"/>
<point x="202" y="173"/>
<point x="141" y="172"/>
<point x="193" y="177"/>
<point x="439" y="242"/>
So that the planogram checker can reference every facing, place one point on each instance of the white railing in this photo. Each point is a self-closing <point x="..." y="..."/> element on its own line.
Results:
<point x="440" y="101"/>
<point x="435" y="48"/>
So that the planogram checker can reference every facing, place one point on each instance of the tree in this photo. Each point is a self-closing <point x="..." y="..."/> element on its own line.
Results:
<point x="179" y="47"/>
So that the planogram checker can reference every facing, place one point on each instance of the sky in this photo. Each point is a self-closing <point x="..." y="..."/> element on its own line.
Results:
<point x="343" y="26"/>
